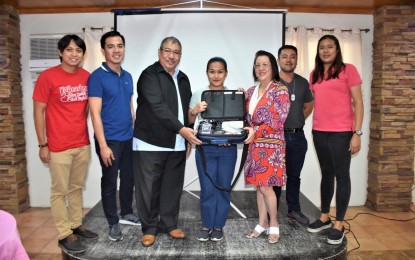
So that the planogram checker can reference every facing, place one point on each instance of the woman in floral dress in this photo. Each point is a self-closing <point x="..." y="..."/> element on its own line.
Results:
<point x="267" y="105"/>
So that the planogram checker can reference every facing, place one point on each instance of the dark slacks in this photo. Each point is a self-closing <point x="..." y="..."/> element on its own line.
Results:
<point x="123" y="166"/>
<point x="334" y="157"/>
<point x="158" y="178"/>
<point x="296" y="149"/>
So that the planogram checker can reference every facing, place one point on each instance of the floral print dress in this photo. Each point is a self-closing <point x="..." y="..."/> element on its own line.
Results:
<point x="265" y="163"/>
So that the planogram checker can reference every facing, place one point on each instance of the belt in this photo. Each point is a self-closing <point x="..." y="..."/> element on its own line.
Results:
<point x="293" y="130"/>
<point x="268" y="140"/>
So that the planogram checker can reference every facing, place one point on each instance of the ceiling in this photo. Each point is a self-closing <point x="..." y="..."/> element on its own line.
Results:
<point x="306" y="6"/>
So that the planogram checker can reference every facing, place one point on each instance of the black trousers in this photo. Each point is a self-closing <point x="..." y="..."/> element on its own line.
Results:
<point x="158" y="179"/>
<point x="334" y="157"/>
<point x="295" y="151"/>
<point x="122" y="166"/>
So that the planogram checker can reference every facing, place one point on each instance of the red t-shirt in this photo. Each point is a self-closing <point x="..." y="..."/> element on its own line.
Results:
<point x="66" y="97"/>
<point x="333" y="111"/>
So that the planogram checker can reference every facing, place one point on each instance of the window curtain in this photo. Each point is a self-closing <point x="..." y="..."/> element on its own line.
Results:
<point x="306" y="39"/>
<point x="93" y="56"/>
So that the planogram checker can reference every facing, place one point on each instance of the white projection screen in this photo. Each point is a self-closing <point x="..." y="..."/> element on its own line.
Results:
<point x="233" y="35"/>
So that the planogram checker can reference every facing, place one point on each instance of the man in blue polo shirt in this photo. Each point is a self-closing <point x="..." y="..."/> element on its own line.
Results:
<point x="110" y="91"/>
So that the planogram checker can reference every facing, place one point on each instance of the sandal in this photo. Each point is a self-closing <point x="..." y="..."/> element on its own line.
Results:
<point x="273" y="235"/>
<point x="258" y="230"/>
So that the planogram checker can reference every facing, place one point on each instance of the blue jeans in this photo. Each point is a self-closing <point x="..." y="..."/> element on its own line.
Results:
<point x="123" y="153"/>
<point x="334" y="157"/>
<point x="220" y="165"/>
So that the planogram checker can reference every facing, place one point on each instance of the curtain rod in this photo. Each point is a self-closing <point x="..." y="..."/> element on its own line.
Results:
<point x="331" y="30"/>
<point x="295" y="29"/>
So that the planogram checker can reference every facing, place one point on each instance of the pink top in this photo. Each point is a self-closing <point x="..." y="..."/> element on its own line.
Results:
<point x="10" y="246"/>
<point x="333" y="111"/>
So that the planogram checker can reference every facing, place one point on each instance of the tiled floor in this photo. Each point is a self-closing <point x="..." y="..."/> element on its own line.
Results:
<point x="38" y="234"/>
<point x="378" y="238"/>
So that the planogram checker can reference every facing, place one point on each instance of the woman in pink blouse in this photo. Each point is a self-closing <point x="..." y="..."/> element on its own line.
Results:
<point x="337" y="124"/>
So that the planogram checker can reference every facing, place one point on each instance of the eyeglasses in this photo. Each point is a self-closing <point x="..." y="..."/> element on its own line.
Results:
<point x="264" y="65"/>
<point x="168" y="52"/>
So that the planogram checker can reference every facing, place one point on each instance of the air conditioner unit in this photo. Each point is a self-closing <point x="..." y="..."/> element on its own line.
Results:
<point x="43" y="52"/>
<point x="40" y="65"/>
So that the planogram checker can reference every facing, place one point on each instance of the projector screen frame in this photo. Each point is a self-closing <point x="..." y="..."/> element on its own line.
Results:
<point x="144" y="11"/>
<point x="159" y="11"/>
<point x="198" y="79"/>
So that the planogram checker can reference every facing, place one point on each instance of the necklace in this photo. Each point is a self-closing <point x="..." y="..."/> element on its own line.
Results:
<point x="292" y="95"/>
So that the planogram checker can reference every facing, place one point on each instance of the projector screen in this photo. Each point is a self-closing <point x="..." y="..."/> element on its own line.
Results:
<point x="233" y="35"/>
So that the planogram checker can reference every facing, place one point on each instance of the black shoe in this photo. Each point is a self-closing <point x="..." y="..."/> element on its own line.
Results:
<point x="115" y="233"/>
<point x="299" y="217"/>
<point x="216" y="235"/>
<point x="71" y="244"/>
<point x="203" y="235"/>
<point x="335" y="236"/>
<point x="318" y="226"/>
<point x="84" y="233"/>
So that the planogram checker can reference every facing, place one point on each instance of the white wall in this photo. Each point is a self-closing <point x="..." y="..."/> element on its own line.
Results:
<point x="39" y="180"/>
<point x="38" y="173"/>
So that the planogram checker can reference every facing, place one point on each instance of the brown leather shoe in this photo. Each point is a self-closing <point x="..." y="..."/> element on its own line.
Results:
<point x="148" y="240"/>
<point x="177" y="233"/>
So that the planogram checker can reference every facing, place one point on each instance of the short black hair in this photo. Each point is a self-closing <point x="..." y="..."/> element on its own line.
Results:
<point x="111" y="34"/>
<point x="171" y="39"/>
<point x="287" y="47"/>
<point x="66" y="40"/>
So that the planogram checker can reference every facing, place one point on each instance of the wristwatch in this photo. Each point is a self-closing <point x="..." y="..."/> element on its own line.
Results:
<point x="42" y="145"/>
<point x="358" y="132"/>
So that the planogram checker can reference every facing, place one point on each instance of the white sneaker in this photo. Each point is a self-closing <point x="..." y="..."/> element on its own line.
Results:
<point x="130" y="219"/>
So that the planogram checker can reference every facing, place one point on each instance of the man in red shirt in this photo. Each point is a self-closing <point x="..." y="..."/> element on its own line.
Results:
<point x="60" y="101"/>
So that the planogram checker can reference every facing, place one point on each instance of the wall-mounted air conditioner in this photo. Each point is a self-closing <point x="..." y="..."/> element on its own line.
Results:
<point x="40" y="65"/>
<point x="43" y="52"/>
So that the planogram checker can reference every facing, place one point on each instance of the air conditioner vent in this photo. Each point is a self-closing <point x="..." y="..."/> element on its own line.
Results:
<point x="43" y="52"/>
<point x="44" y="48"/>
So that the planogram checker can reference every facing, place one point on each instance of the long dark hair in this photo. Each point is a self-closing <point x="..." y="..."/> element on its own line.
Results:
<point x="272" y="60"/>
<point x="335" y="68"/>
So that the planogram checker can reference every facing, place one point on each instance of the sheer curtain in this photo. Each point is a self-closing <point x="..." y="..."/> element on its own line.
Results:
<point x="306" y="39"/>
<point x="93" y="56"/>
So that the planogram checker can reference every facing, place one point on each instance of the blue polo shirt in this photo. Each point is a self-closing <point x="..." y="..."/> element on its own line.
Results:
<point x="115" y="92"/>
